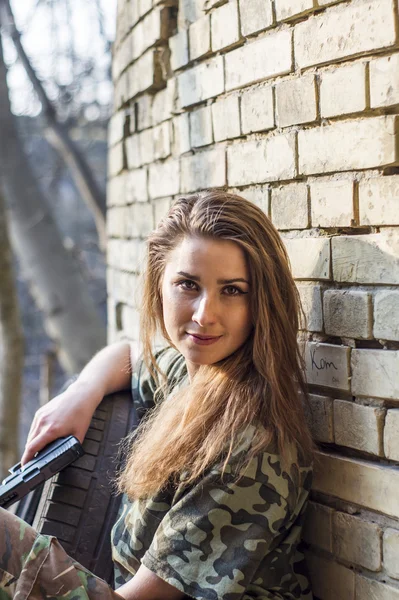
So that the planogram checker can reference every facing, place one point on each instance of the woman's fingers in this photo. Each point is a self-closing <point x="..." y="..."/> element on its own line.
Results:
<point x="36" y="444"/>
<point x="33" y="429"/>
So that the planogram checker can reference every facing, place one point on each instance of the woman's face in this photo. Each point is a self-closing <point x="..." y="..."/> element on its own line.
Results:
<point x="206" y="300"/>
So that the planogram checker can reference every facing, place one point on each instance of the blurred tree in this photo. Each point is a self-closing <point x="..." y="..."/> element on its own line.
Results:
<point x="11" y="352"/>
<point x="57" y="133"/>
<point x="70" y="315"/>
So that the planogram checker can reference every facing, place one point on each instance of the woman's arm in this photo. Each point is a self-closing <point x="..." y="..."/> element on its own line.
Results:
<point x="146" y="585"/>
<point x="70" y="413"/>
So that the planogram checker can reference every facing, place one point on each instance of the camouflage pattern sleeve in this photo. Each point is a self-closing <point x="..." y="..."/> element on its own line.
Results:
<point x="227" y="539"/>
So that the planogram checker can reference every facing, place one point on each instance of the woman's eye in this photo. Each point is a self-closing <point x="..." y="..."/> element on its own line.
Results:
<point x="232" y="290"/>
<point x="187" y="285"/>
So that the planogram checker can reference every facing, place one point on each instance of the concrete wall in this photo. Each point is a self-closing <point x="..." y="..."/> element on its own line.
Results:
<point x="293" y="104"/>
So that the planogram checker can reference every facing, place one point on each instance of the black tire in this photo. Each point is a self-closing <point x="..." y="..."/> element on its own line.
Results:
<point x="78" y="505"/>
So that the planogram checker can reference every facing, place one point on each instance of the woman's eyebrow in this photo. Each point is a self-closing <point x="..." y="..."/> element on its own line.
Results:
<point x="220" y="281"/>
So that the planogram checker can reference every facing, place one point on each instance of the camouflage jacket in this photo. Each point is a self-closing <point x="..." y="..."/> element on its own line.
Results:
<point x="221" y="538"/>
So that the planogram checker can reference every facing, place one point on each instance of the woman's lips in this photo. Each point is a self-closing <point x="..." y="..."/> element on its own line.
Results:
<point x="202" y="340"/>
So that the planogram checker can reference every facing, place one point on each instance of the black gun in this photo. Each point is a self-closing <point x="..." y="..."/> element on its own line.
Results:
<point x="49" y="461"/>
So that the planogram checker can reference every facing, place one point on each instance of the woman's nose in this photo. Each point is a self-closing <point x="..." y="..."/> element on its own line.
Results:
<point x="205" y="313"/>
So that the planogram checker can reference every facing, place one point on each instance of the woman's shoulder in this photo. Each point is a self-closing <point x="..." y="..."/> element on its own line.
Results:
<point x="170" y="364"/>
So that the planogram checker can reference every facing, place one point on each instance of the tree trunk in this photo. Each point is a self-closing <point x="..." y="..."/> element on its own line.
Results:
<point x="11" y="353"/>
<point x="70" y="315"/>
<point x="59" y="137"/>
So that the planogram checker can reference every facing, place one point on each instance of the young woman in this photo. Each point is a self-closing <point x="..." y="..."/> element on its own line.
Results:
<point x="218" y="477"/>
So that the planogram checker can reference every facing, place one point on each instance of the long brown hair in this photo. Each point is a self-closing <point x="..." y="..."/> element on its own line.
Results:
<point x="262" y="383"/>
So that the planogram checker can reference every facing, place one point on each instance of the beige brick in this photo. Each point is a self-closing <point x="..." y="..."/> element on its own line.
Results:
<point x="121" y="90"/>
<point x="116" y="127"/>
<point x="112" y="324"/>
<point x="358" y="426"/>
<point x="255" y="15"/>
<point x="343" y="90"/>
<point x="201" y="82"/>
<point x="391" y="437"/>
<point x="146" y="143"/>
<point x="199" y="35"/>
<point x="145" y="74"/>
<point x="386" y="315"/>
<point x="267" y="57"/>
<point x="296" y="101"/>
<point x="162" y="145"/>
<point x="290" y="206"/>
<point x="115" y="160"/>
<point x="374" y="590"/>
<point x="350" y="29"/>
<point x="127" y="255"/>
<point x="130" y="319"/>
<point x="319" y="413"/>
<point x="257" y="111"/>
<point x="161" y="209"/>
<point x="331" y="203"/>
<point x="317" y="529"/>
<point x="124" y="287"/>
<point x="144" y="6"/>
<point x="201" y="133"/>
<point x="116" y="190"/>
<point x="136" y="186"/>
<point x="124" y="21"/>
<point x="178" y="45"/>
<point x="226" y="118"/>
<point x="391" y="552"/>
<point x="116" y="222"/>
<point x="348" y="313"/>
<point x="225" y="30"/>
<point x="367" y="484"/>
<point x="311" y="303"/>
<point x="189" y="11"/>
<point x="285" y="9"/>
<point x="181" y="134"/>
<point x="309" y="257"/>
<point x="164" y="103"/>
<point x="114" y="253"/>
<point x="122" y="57"/>
<point x="164" y="179"/>
<point x="140" y="220"/>
<point x="263" y="160"/>
<point x="384" y="81"/>
<point x="133" y="152"/>
<point x="203" y="170"/>
<point x="258" y="194"/>
<point x="357" y="541"/>
<point x="347" y="145"/>
<point x="375" y="373"/>
<point x="152" y="29"/>
<point x="372" y="258"/>
<point x="330" y="581"/>
<point x="379" y="201"/>
<point x="142" y="113"/>
<point x="327" y="365"/>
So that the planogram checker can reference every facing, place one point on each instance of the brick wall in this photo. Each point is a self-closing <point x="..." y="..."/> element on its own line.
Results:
<point x="292" y="103"/>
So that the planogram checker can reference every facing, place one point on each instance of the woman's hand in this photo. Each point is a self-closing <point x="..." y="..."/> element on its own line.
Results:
<point x="69" y="413"/>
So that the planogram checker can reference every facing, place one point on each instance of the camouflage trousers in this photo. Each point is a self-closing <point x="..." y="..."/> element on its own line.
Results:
<point x="36" y="567"/>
